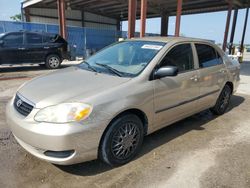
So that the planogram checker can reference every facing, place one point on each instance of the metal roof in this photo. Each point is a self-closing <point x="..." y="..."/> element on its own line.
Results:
<point x="119" y="8"/>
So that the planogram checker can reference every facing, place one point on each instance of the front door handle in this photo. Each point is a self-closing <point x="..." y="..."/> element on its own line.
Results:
<point x="194" y="78"/>
<point x="46" y="47"/>
<point x="21" y="48"/>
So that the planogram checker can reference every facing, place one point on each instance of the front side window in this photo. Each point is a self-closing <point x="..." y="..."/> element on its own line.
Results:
<point x="180" y="56"/>
<point x="207" y="56"/>
<point x="13" y="39"/>
<point x="128" y="58"/>
<point x="33" y="38"/>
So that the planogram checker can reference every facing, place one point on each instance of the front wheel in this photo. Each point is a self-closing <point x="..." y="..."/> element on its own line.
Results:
<point x="122" y="140"/>
<point x="53" y="61"/>
<point x="223" y="101"/>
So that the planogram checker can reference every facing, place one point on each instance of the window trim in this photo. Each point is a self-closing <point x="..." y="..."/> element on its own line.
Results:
<point x="216" y="52"/>
<point x="196" y="66"/>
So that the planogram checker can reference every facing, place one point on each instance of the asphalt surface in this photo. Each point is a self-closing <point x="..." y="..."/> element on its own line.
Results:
<point x="201" y="151"/>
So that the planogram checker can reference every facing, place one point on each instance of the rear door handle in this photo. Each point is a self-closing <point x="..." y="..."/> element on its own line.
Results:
<point x="21" y="48"/>
<point x="46" y="47"/>
<point x="223" y="71"/>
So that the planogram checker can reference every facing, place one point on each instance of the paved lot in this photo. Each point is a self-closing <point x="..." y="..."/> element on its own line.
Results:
<point x="200" y="151"/>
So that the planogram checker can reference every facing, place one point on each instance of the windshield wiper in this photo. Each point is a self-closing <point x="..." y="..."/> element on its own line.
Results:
<point x="90" y="67"/>
<point x="111" y="69"/>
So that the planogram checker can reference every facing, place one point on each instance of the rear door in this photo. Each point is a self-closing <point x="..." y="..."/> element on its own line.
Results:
<point x="12" y="50"/>
<point x="34" y="47"/>
<point x="212" y="72"/>
<point x="176" y="97"/>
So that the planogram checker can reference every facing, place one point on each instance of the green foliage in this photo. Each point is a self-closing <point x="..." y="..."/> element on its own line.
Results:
<point x="16" y="17"/>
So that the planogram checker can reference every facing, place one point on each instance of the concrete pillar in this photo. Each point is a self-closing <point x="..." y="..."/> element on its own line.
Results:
<point x="244" y="32"/>
<point x="227" y="25"/>
<point x="62" y="20"/>
<point x="164" y="24"/>
<point x="233" y="30"/>
<point x="178" y="18"/>
<point x="132" y="7"/>
<point x="143" y="17"/>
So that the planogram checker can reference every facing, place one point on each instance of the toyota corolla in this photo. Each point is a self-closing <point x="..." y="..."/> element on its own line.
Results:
<point x="105" y="106"/>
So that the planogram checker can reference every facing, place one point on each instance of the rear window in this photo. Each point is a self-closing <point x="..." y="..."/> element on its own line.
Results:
<point x="33" y="38"/>
<point x="207" y="55"/>
<point x="53" y="38"/>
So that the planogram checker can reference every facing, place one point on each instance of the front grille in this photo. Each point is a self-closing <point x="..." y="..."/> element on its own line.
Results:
<point x="22" y="107"/>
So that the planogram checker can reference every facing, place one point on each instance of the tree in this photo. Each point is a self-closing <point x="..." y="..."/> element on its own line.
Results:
<point x="16" y="17"/>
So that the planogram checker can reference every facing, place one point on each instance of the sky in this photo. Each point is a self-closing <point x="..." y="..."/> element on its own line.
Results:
<point x="208" y="26"/>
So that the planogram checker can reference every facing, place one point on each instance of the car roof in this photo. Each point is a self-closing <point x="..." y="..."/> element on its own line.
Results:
<point x="35" y="32"/>
<point x="171" y="39"/>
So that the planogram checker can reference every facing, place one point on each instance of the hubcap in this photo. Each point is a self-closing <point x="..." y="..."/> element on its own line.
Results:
<point x="125" y="141"/>
<point x="54" y="62"/>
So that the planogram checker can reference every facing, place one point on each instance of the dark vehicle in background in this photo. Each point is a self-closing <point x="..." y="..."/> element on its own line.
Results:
<point x="33" y="47"/>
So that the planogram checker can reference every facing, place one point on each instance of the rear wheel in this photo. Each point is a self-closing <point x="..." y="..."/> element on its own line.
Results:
<point x="53" y="61"/>
<point x="122" y="140"/>
<point x="223" y="101"/>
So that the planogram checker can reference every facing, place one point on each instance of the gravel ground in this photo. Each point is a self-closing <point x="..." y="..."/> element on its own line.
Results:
<point x="200" y="151"/>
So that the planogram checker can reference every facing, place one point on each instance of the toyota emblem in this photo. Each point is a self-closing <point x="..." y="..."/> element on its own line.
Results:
<point x="19" y="103"/>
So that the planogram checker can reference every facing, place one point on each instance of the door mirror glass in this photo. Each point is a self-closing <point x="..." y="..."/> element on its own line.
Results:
<point x="166" y="71"/>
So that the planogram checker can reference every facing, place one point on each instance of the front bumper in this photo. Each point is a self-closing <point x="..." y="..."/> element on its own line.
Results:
<point x="37" y="138"/>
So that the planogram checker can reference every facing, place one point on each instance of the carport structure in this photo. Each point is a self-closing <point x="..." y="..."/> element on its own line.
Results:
<point x="123" y="10"/>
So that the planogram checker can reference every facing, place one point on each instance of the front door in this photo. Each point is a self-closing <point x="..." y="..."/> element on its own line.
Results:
<point x="12" y="48"/>
<point x="176" y="97"/>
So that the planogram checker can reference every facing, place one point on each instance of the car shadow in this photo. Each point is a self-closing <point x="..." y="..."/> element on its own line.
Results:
<point x="154" y="140"/>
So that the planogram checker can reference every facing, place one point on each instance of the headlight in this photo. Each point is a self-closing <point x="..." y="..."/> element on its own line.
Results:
<point x="64" y="113"/>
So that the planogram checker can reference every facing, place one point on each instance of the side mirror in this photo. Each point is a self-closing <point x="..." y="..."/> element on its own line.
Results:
<point x="1" y="42"/>
<point x="166" y="71"/>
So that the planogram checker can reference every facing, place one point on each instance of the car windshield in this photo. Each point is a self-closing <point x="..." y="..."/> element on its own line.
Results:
<point x="124" y="59"/>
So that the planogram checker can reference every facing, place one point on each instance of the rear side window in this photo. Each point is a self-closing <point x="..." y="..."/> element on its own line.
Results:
<point x="33" y="38"/>
<point x="207" y="56"/>
<point x="180" y="56"/>
<point x="13" y="39"/>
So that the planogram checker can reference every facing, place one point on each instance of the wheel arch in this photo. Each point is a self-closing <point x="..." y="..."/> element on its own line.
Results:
<point x="142" y="115"/>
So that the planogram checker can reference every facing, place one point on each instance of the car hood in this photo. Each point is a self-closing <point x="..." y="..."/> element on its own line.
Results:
<point x="63" y="85"/>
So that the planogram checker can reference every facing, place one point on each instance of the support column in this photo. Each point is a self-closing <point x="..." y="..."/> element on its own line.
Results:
<point x="227" y="25"/>
<point x="27" y="14"/>
<point x="131" y="17"/>
<point x="244" y="32"/>
<point x="61" y="16"/>
<point x="178" y="18"/>
<point x="233" y="30"/>
<point x="144" y="6"/>
<point x="164" y="24"/>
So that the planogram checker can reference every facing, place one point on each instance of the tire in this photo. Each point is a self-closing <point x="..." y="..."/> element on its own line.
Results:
<point x="223" y="101"/>
<point x="53" y="61"/>
<point x="122" y="140"/>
